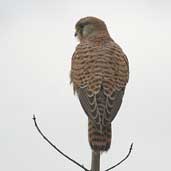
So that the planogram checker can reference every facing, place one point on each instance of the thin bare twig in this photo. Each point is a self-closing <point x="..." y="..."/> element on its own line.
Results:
<point x="57" y="149"/>
<point x="130" y="149"/>
<point x="69" y="158"/>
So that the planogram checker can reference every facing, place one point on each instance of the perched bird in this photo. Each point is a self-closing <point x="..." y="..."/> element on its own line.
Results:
<point x="99" y="73"/>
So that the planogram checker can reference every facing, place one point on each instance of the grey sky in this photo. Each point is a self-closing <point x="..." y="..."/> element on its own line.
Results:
<point x="36" y="45"/>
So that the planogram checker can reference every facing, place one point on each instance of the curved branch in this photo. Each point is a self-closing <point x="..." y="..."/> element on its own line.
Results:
<point x="57" y="149"/>
<point x="69" y="158"/>
<point x="130" y="149"/>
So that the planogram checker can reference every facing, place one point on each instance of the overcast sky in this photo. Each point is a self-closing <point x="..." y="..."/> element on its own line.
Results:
<point x="36" y="45"/>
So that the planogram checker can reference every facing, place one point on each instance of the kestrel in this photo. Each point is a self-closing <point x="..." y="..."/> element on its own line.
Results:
<point x="99" y="73"/>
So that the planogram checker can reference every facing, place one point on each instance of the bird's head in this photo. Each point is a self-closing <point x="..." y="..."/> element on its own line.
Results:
<point x="88" y="27"/>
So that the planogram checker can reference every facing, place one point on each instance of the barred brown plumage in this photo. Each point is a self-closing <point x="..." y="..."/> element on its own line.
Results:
<point x="97" y="139"/>
<point x="99" y="73"/>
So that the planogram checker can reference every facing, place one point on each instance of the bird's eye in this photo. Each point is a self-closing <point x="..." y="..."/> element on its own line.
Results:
<point x="81" y="26"/>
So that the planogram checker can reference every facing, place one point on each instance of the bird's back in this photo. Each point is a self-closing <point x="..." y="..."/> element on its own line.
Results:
<point x="99" y="74"/>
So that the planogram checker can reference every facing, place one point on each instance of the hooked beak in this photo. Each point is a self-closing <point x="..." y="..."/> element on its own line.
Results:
<point x="75" y="34"/>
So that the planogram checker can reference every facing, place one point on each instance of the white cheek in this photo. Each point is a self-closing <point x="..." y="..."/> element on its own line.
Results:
<point x="85" y="32"/>
<point x="88" y="30"/>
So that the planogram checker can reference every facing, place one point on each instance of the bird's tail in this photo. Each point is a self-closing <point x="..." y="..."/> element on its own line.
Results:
<point x="99" y="140"/>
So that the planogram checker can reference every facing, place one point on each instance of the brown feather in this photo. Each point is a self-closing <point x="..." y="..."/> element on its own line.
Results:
<point x="99" y="73"/>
